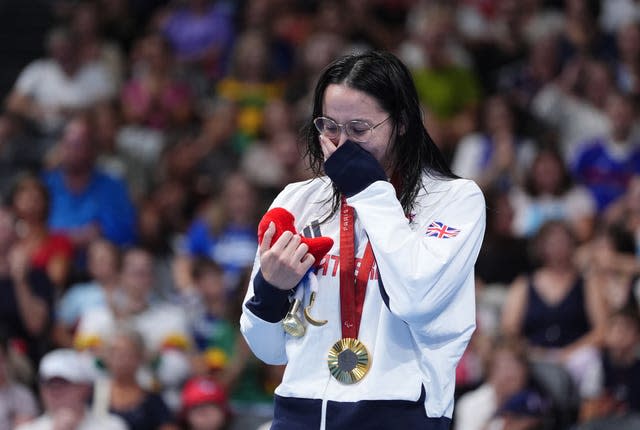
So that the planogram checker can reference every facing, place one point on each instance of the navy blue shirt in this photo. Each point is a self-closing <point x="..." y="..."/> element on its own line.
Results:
<point x="558" y="325"/>
<point x="150" y="414"/>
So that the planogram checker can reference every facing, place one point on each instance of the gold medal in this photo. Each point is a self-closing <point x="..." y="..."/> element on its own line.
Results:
<point x="291" y="323"/>
<point x="348" y="360"/>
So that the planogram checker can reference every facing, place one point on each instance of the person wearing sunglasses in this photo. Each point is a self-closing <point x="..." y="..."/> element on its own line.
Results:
<point x="379" y="335"/>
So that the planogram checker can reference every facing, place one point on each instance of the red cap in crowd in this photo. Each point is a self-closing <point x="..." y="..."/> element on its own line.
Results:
<point x="201" y="390"/>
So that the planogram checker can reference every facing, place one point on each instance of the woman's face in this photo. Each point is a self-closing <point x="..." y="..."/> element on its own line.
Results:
<point x="343" y="104"/>
<point x="29" y="203"/>
<point x="556" y="246"/>
<point x="123" y="358"/>
<point x="547" y="173"/>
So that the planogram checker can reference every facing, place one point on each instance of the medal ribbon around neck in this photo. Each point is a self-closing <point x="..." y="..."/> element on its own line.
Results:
<point x="348" y="358"/>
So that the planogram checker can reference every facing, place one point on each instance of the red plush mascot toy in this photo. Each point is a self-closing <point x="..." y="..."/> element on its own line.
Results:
<point x="318" y="247"/>
<point x="283" y="220"/>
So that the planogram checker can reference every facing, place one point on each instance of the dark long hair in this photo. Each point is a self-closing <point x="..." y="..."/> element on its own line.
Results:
<point x="383" y="76"/>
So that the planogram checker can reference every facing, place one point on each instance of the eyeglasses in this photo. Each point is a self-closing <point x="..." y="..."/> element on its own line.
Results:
<point x="358" y="130"/>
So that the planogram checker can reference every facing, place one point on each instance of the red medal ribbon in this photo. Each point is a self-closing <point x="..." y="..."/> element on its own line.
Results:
<point x="352" y="287"/>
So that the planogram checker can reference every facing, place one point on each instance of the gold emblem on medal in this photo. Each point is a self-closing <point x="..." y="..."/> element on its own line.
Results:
<point x="348" y="360"/>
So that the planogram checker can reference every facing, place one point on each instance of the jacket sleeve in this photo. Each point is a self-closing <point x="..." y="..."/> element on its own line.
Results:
<point x="426" y="281"/>
<point x="262" y="331"/>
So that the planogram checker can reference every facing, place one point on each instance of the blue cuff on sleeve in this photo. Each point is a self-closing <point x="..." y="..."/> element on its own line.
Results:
<point x="269" y="303"/>
<point x="353" y="169"/>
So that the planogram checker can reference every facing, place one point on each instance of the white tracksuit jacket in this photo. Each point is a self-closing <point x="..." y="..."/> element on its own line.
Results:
<point x="418" y="315"/>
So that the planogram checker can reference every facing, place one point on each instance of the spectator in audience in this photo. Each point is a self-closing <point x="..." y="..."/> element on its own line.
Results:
<point x="220" y="146"/>
<point x="605" y="164"/>
<point x="581" y="35"/>
<point x="275" y="161"/>
<point x="51" y="90"/>
<point x="215" y="337"/>
<point x="204" y="405"/>
<point x="526" y="410"/>
<point x="496" y="156"/>
<point x="503" y="256"/>
<point x="157" y="238"/>
<point x="249" y="82"/>
<point x="103" y="267"/>
<point x="85" y="202"/>
<point x="162" y="325"/>
<point x="550" y="194"/>
<point x="26" y="294"/>
<point x="522" y="80"/>
<point x="154" y="97"/>
<point x="502" y="42"/>
<point x="449" y="91"/>
<point x="201" y="33"/>
<point x="617" y="382"/>
<point x="139" y="408"/>
<point x="609" y="261"/>
<point x="508" y="375"/>
<point x="559" y="314"/>
<point x="626" y="211"/>
<point x="573" y="104"/>
<point x="50" y="252"/>
<point x="65" y="387"/>
<point x="86" y="28"/>
<point x="225" y="232"/>
<point x="17" y="403"/>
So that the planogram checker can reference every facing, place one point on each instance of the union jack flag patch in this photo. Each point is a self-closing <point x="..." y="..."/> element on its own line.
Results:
<point x="441" y="231"/>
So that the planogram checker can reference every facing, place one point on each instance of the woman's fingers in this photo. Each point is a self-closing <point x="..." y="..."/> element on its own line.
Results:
<point x="286" y="262"/>
<point x="299" y="252"/>
<point x="307" y="262"/>
<point x="327" y="147"/>
<point x="267" y="238"/>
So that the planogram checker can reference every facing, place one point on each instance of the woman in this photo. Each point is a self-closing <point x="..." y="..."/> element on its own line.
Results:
<point x="138" y="408"/>
<point x="550" y="194"/>
<point x="495" y="155"/>
<point x="50" y="252"/>
<point x="224" y="232"/>
<point x="415" y="311"/>
<point x="508" y="375"/>
<point x="555" y="310"/>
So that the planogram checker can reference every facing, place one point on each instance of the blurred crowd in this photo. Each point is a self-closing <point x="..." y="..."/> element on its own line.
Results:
<point x="139" y="151"/>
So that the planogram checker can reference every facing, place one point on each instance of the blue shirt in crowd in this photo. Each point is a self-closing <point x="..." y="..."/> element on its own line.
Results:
<point x="104" y="201"/>
<point x="606" y="170"/>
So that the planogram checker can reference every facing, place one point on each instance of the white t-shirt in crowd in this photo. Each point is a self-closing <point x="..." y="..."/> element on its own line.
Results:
<point x="46" y="83"/>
